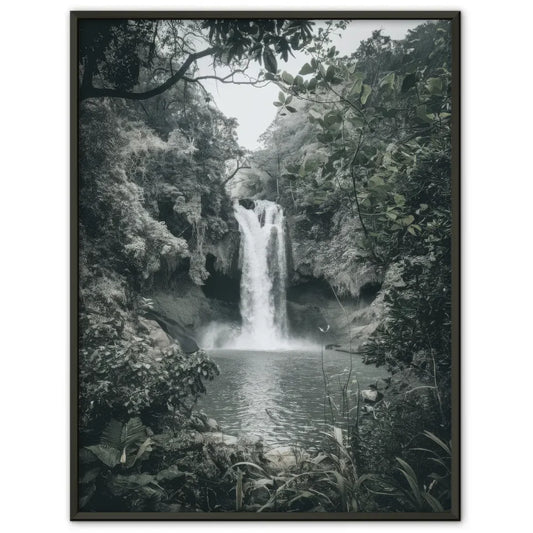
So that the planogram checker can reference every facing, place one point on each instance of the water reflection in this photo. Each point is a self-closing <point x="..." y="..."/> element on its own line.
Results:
<point x="279" y="396"/>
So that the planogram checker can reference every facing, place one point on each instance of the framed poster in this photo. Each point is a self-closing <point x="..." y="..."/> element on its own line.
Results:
<point x="265" y="265"/>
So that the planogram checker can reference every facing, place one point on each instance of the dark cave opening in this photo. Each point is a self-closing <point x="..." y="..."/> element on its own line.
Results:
<point x="369" y="291"/>
<point x="220" y="286"/>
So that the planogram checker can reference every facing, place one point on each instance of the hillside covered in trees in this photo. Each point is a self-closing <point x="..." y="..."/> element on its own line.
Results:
<point x="358" y="159"/>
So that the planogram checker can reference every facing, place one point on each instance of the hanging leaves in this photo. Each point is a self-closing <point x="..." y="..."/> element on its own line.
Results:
<point x="269" y="59"/>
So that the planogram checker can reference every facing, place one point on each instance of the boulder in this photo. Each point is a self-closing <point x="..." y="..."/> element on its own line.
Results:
<point x="175" y="330"/>
<point x="160" y="339"/>
<point x="284" y="457"/>
<point x="212" y="424"/>
<point x="371" y="396"/>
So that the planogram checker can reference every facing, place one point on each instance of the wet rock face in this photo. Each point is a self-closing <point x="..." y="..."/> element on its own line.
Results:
<point x="222" y="285"/>
<point x="322" y="248"/>
<point x="159" y="338"/>
<point x="247" y="203"/>
<point x="223" y="256"/>
<point x="173" y="328"/>
<point x="182" y="312"/>
<point x="305" y="320"/>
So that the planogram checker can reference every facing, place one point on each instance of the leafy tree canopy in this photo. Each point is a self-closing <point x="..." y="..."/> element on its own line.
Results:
<point x="139" y="59"/>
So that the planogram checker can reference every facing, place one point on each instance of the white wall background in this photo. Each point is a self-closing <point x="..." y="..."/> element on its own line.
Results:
<point x="497" y="265"/>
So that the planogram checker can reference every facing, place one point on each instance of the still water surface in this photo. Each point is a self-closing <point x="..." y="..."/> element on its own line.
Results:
<point x="279" y="396"/>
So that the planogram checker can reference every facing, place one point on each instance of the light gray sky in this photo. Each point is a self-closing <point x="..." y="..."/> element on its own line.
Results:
<point x="253" y="107"/>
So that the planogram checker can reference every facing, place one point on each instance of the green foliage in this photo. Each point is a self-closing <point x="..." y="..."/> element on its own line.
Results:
<point x="425" y="487"/>
<point x="120" y="447"/>
<point x="369" y="189"/>
<point x="127" y="378"/>
<point x="260" y="40"/>
<point x="113" y="47"/>
<point x="359" y="157"/>
<point x="382" y="122"/>
<point x="119" y="55"/>
<point x="117" y="441"/>
<point x="326" y="481"/>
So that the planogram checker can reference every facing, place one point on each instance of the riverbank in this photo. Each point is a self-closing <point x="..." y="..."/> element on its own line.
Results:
<point x="193" y="464"/>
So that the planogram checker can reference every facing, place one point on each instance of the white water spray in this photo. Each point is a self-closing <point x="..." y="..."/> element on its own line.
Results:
<point x="264" y="276"/>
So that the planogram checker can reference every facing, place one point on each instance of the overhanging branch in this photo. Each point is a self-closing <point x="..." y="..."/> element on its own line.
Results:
<point x="97" y="92"/>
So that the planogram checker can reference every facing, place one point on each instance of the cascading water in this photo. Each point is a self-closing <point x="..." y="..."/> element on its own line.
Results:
<point x="264" y="276"/>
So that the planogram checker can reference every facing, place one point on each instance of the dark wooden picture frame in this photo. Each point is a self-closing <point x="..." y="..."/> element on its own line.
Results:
<point x="454" y="18"/>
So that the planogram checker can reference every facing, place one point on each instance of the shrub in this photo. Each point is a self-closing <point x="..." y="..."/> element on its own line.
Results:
<point x="128" y="378"/>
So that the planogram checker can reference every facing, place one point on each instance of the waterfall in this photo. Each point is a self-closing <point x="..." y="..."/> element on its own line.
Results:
<point x="264" y="276"/>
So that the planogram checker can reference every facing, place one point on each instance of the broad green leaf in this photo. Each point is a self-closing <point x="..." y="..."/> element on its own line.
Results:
<point x="306" y="69"/>
<point x="132" y="432"/>
<point x="421" y="113"/>
<point x="290" y="109"/>
<point x="131" y="482"/>
<point x="366" y="93"/>
<point x="169" y="474"/>
<point x="89" y="476"/>
<point x="434" y="86"/>
<point x="388" y="80"/>
<point x="287" y="78"/>
<point x="111" y="435"/>
<point x="330" y="73"/>
<point x="399" y="199"/>
<point x="146" y="446"/>
<point x="107" y="455"/>
<point x="356" y="91"/>
<point x="270" y="60"/>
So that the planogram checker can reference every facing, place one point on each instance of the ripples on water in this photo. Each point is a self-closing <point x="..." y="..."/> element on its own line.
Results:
<point x="279" y="396"/>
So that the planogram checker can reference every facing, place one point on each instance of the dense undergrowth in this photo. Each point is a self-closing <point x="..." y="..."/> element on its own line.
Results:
<point x="359" y="157"/>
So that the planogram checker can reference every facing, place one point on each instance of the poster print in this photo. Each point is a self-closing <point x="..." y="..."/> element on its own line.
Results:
<point x="265" y="265"/>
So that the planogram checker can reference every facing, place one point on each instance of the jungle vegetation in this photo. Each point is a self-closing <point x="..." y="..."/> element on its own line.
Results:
<point x="360" y="153"/>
